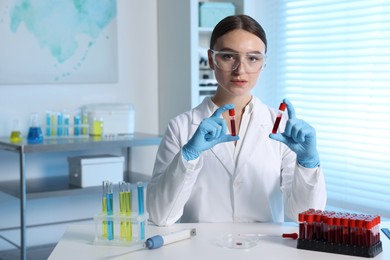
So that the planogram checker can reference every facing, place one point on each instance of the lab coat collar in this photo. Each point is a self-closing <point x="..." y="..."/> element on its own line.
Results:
<point x="202" y="111"/>
<point x="260" y="121"/>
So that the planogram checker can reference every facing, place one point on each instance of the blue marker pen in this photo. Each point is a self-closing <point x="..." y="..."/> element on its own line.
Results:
<point x="141" y="211"/>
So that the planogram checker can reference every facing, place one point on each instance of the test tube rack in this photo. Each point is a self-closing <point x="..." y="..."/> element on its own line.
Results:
<point x="339" y="232"/>
<point x="130" y="224"/>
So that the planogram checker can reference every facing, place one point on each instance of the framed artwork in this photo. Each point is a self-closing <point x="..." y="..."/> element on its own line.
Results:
<point x="62" y="41"/>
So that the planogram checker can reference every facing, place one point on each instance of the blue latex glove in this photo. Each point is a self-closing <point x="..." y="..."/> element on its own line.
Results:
<point x="210" y="132"/>
<point x="300" y="137"/>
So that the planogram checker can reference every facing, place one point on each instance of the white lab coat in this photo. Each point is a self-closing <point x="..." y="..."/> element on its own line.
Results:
<point x="265" y="186"/>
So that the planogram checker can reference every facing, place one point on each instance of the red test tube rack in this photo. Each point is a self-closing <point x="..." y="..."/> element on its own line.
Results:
<point x="339" y="232"/>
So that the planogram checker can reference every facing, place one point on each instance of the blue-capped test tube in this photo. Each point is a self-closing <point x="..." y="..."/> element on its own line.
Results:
<point x="141" y="209"/>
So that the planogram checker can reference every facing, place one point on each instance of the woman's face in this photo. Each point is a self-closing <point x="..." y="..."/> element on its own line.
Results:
<point x="237" y="82"/>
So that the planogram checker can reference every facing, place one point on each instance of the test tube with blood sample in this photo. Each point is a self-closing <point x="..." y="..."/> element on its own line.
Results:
<point x="301" y="219"/>
<point x="232" y="122"/>
<point x="282" y="107"/>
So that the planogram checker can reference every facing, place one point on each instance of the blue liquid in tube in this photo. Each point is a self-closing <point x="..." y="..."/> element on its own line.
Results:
<point x="141" y="211"/>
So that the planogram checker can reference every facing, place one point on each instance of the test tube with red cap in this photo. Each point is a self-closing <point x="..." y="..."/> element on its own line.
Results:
<point x="341" y="232"/>
<point x="309" y="220"/>
<point x="232" y="117"/>
<point x="282" y="107"/>
<point x="345" y="228"/>
<point x="318" y="225"/>
<point x="301" y="220"/>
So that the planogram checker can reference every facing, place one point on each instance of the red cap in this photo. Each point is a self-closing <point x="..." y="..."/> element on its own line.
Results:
<point x="282" y="106"/>
<point x="231" y="112"/>
<point x="309" y="217"/>
<point x="345" y="221"/>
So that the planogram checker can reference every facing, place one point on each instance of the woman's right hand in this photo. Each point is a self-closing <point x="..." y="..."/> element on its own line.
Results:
<point x="210" y="132"/>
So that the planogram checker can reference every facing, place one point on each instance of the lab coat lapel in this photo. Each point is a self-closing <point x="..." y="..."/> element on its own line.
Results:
<point x="257" y="129"/>
<point x="222" y="151"/>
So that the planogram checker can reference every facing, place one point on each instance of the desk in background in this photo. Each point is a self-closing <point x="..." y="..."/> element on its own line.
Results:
<point x="77" y="243"/>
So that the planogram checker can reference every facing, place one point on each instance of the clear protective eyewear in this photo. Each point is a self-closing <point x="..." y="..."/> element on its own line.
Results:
<point x="228" y="61"/>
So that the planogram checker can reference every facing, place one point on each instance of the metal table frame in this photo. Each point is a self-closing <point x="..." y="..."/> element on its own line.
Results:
<point x="69" y="144"/>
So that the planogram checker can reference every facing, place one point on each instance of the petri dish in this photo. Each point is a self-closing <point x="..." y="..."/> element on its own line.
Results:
<point x="237" y="241"/>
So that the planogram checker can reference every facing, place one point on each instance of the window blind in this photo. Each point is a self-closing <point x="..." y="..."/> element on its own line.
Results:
<point x="334" y="65"/>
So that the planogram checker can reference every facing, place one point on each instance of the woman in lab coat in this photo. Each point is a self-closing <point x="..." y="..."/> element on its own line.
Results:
<point x="204" y="174"/>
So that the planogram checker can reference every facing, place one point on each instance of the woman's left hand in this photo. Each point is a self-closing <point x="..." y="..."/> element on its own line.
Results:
<point x="300" y="137"/>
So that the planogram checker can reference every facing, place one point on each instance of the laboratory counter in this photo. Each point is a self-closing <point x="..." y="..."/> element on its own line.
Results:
<point x="208" y="243"/>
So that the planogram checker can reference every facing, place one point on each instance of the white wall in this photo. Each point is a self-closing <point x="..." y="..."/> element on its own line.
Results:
<point x="137" y="84"/>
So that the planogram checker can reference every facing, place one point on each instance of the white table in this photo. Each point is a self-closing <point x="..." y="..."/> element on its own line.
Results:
<point x="77" y="243"/>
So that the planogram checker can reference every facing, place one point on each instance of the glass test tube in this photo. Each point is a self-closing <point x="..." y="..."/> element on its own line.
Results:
<point x="141" y="210"/>
<point x="84" y="122"/>
<point x="48" y="123"/>
<point x="77" y="124"/>
<point x="59" y="124"/>
<point x="282" y="107"/>
<point x="108" y="208"/>
<point x="309" y="230"/>
<point x="232" y="122"/>
<point x="104" y="210"/>
<point x="301" y="220"/>
<point x="66" y="124"/>
<point x="52" y="128"/>
<point x="318" y="225"/>
<point x="125" y="210"/>
<point x="345" y="229"/>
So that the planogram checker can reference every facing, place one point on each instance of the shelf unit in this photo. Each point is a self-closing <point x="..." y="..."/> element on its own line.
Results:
<point x="179" y="37"/>
<point x="57" y="186"/>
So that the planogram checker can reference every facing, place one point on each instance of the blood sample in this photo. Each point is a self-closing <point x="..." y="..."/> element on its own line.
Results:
<point x="341" y="233"/>
<point x="337" y="229"/>
<point x="331" y="229"/>
<point x="232" y="122"/>
<point x="318" y="225"/>
<point x="301" y="219"/>
<point x="282" y="107"/>
<point x="345" y="229"/>
<point x="309" y="218"/>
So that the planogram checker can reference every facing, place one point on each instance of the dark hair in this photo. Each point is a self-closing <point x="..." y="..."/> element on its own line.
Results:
<point x="234" y="22"/>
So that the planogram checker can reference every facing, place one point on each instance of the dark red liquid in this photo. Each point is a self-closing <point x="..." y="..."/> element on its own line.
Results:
<point x="276" y="125"/>
<point x="233" y="126"/>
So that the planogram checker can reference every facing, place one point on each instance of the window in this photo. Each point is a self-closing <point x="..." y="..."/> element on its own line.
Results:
<point x="332" y="60"/>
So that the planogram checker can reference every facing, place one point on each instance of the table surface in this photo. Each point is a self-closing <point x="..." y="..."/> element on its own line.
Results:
<point x="77" y="243"/>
